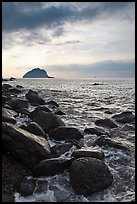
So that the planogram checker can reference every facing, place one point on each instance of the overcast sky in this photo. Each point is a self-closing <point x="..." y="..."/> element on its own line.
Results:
<point x="69" y="39"/>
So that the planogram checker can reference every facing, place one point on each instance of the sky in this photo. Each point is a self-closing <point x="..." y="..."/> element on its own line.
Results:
<point x="69" y="39"/>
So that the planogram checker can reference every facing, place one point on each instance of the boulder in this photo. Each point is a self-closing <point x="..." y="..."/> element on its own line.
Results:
<point x="12" y="173"/>
<point x="62" y="133"/>
<point x="108" y="123"/>
<point x="50" y="167"/>
<point x="12" y="78"/>
<point x="23" y="111"/>
<point x="26" y="186"/>
<point x="25" y="146"/>
<point x="37" y="110"/>
<point x="19" y="86"/>
<point x="48" y="121"/>
<point x="88" y="152"/>
<point x="52" y="104"/>
<point x="89" y="175"/>
<point x="124" y="117"/>
<point x="15" y="90"/>
<point x="94" y="131"/>
<point x="6" y="86"/>
<point x="105" y="141"/>
<point x="34" y="98"/>
<point x="17" y="103"/>
<point x="8" y="115"/>
<point x="35" y="128"/>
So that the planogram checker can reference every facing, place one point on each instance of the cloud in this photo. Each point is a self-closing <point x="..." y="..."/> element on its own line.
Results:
<point x="16" y="16"/>
<point x="108" y="68"/>
<point x="101" y="69"/>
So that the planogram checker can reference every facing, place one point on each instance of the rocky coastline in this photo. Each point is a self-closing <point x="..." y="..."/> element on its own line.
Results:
<point x="26" y="149"/>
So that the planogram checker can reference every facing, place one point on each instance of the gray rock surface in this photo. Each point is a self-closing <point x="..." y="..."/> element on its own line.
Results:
<point x="62" y="133"/>
<point x="27" y="147"/>
<point x="89" y="175"/>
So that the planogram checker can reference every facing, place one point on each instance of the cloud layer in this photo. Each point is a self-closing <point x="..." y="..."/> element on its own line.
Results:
<point x="64" y="33"/>
<point x="33" y="15"/>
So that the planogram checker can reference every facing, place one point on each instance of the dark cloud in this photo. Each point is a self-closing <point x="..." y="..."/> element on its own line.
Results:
<point x="31" y="15"/>
<point x="68" y="42"/>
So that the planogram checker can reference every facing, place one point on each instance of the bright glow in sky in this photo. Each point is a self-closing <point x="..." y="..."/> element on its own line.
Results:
<point x="68" y="39"/>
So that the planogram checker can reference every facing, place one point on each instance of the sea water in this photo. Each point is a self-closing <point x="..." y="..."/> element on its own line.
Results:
<point x="84" y="103"/>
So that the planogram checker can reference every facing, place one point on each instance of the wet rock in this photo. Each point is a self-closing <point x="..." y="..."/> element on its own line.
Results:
<point x="6" y="86"/>
<point x="37" y="110"/>
<point x="35" y="128"/>
<point x="57" y="150"/>
<point x="62" y="133"/>
<point x="50" y="167"/>
<point x="105" y="141"/>
<point x="15" y="90"/>
<point x="12" y="172"/>
<point x="17" y="103"/>
<point x="8" y="116"/>
<point x="88" y="152"/>
<point x="41" y="186"/>
<point x="89" y="175"/>
<point x="4" y="99"/>
<point x="34" y="98"/>
<point x="12" y="78"/>
<point x="48" y="121"/>
<point x="23" y="111"/>
<point x="25" y="146"/>
<point x="59" y="112"/>
<point x="108" y="123"/>
<point x="26" y="186"/>
<point x="96" y="84"/>
<point x="19" y="86"/>
<point x="124" y="117"/>
<point x="93" y="131"/>
<point x="52" y="104"/>
<point x="128" y="127"/>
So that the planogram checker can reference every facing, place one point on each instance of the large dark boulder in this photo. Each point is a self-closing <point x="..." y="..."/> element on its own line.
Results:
<point x="35" y="128"/>
<point x="62" y="133"/>
<point x="124" y="117"/>
<point x="108" y="123"/>
<point x="34" y="98"/>
<point x="12" y="172"/>
<point x="47" y="120"/>
<point x="26" y="186"/>
<point x="88" y="152"/>
<point x="89" y="175"/>
<point x="8" y="115"/>
<point x="37" y="110"/>
<point x="23" y="145"/>
<point x="50" y="167"/>
<point x="17" y="103"/>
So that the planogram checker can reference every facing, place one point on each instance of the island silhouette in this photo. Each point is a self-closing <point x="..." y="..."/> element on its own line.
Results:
<point x="36" y="73"/>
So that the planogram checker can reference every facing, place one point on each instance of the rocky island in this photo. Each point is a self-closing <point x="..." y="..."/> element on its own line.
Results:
<point x="36" y="73"/>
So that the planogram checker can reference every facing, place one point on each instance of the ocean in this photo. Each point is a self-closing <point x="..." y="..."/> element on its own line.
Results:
<point x="84" y="102"/>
